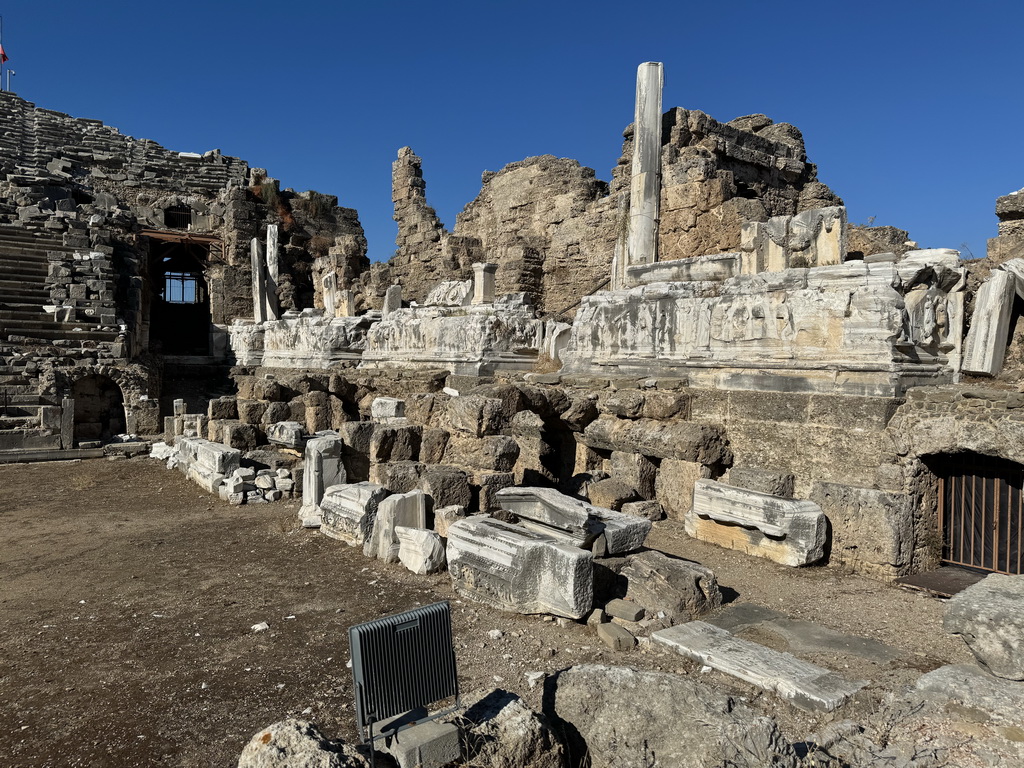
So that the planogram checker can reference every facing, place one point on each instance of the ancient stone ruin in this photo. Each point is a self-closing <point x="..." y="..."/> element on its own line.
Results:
<point x="521" y="398"/>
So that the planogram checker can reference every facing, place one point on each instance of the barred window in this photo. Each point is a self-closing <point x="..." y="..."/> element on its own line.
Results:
<point x="183" y="288"/>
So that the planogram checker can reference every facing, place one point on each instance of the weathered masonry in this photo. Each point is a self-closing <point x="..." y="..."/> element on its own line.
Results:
<point x="705" y="337"/>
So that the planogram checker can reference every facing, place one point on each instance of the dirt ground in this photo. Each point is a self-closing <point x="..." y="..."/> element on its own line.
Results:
<point x="129" y="595"/>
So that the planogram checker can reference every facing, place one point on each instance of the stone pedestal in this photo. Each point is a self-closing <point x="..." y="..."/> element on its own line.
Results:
<point x="392" y="300"/>
<point x="483" y="283"/>
<point x="323" y="468"/>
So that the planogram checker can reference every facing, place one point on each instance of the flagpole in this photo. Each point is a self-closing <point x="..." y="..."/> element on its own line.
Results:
<point x="1" y="57"/>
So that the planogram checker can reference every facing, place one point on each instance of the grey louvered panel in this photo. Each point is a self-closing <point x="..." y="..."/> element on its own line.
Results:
<point x="402" y="662"/>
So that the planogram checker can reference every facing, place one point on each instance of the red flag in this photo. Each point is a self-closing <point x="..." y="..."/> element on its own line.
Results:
<point x="3" y="56"/>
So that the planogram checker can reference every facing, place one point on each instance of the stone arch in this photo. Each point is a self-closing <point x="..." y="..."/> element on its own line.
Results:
<point x="99" y="408"/>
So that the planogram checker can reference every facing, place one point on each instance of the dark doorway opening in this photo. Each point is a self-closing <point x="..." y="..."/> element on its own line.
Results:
<point x="99" y="408"/>
<point x="981" y="511"/>
<point x="179" y="322"/>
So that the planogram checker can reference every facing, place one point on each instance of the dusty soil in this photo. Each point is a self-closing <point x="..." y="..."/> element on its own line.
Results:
<point x="129" y="595"/>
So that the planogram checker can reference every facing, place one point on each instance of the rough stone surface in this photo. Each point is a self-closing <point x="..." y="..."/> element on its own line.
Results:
<point x="988" y="617"/>
<point x="615" y="637"/>
<point x="682" y="589"/>
<point x="609" y="711"/>
<point x="504" y="732"/>
<point x="298" y="744"/>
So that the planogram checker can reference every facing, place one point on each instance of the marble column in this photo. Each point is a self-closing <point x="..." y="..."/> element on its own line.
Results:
<point x="645" y="187"/>
<point x="259" y="282"/>
<point x="273" y="311"/>
<point x="392" y="300"/>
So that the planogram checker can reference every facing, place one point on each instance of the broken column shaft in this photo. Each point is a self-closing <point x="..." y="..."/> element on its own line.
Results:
<point x="645" y="187"/>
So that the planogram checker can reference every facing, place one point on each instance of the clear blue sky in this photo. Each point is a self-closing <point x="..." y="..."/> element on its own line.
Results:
<point x="912" y="110"/>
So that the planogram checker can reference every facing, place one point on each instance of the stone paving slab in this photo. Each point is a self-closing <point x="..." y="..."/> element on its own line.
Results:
<point x="971" y="686"/>
<point x="802" y="636"/>
<point x="803" y="684"/>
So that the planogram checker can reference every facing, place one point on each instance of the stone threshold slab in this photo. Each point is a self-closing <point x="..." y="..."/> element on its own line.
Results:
<point x="805" y="685"/>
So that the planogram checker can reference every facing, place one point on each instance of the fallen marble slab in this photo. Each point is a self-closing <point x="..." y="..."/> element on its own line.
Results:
<point x="801" y="636"/>
<point x="788" y="531"/>
<point x="805" y="685"/>
<point x="550" y="512"/>
<point x="516" y="569"/>
<point x="349" y="511"/>
<point x="323" y="468"/>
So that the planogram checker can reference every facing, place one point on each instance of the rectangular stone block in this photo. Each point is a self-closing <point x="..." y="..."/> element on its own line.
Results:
<point x="575" y="522"/>
<point x="791" y="532"/>
<point x="322" y="469"/>
<point x="519" y="570"/>
<point x="349" y="511"/>
<point x="408" y="510"/>
<point x="990" y="325"/>
<point x="803" y="684"/>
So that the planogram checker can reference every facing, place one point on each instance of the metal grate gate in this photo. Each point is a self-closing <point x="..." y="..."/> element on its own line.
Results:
<point x="981" y="513"/>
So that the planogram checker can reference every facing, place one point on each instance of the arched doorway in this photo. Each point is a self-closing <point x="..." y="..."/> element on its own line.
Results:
<point x="981" y="511"/>
<point x="99" y="408"/>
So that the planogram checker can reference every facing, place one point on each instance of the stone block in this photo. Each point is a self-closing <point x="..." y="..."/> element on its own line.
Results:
<point x="222" y="408"/>
<point x="803" y="684"/>
<point x="624" y="609"/>
<point x="615" y="637"/>
<point x="986" y="342"/>
<point x="402" y="509"/>
<point x="497" y="453"/>
<point x="290" y="434"/>
<point x="444" y="517"/>
<point x="519" y="570"/>
<point x="395" y="443"/>
<point x="384" y="408"/>
<point x="488" y="484"/>
<point x="786" y="531"/>
<point x="432" y="445"/>
<point x="420" y="550"/>
<point x="872" y="531"/>
<point x="555" y="514"/>
<point x="447" y="486"/>
<point x="322" y="469"/>
<point x="649" y="510"/>
<point x="349" y="511"/>
<point x="427" y="745"/>
<point x="636" y="470"/>
<point x="251" y="411"/>
<point x="685" y="440"/>
<point x="475" y="415"/>
<point x="987" y="616"/>
<point x="611" y="493"/>
<point x="274" y="413"/>
<point x="397" y="476"/>
<point x="681" y="589"/>
<point x="779" y="484"/>
<point x="244" y="437"/>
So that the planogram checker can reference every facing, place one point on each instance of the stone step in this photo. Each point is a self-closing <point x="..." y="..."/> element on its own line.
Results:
<point x="805" y="685"/>
<point x="56" y="331"/>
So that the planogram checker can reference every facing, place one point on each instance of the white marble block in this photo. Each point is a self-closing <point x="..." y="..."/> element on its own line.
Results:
<point x="483" y="283"/>
<point x="516" y="569"/>
<point x="290" y="434"/>
<point x="349" y="511"/>
<point x="323" y="468"/>
<point x="392" y="300"/>
<point x="402" y="509"/>
<point x="420" y="550"/>
<point x="990" y="325"/>
<point x="788" y="531"/>
<point x="387" y="408"/>
<point x="577" y="522"/>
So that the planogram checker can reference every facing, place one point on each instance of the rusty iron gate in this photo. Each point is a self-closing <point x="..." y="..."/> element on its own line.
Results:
<point x="981" y="512"/>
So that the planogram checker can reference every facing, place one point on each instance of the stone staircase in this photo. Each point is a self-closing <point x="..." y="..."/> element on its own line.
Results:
<point x="24" y="265"/>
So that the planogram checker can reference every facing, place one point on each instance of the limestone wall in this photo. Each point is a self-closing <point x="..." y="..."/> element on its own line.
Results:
<point x="551" y="225"/>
